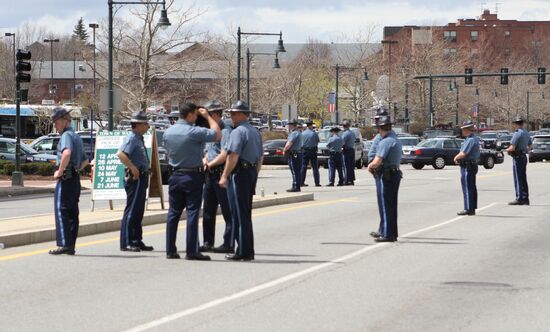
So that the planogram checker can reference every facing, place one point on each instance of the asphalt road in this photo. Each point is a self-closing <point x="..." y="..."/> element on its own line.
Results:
<point x="316" y="268"/>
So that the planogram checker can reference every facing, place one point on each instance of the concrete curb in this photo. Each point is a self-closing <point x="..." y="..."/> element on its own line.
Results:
<point x="22" y="191"/>
<point x="110" y="225"/>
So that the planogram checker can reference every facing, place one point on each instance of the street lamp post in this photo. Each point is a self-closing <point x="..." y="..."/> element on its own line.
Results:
<point x="163" y="23"/>
<point x="389" y="43"/>
<point x="249" y="56"/>
<point x="280" y="49"/>
<point x="51" y="41"/>
<point x="93" y="26"/>
<point x="17" y="175"/>
<point x="338" y="68"/>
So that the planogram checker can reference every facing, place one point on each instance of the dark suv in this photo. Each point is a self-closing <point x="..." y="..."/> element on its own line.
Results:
<point x="541" y="148"/>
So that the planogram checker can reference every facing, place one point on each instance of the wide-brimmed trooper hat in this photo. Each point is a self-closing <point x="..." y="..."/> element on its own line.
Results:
<point x="139" y="117"/>
<point x="467" y="124"/>
<point x="240" y="106"/>
<point x="58" y="113"/>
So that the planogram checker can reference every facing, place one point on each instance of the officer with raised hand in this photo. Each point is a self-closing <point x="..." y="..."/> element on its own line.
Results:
<point x="385" y="167"/>
<point x="468" y="158"/>
<point x="520" y="145"/>
<point x="133" y="155"/>
<point x="243" y="163"/>
<point x="185" y="144"/>
<point x="310" y="141"/>
<point x="349" y="153"/>
<point x="334" y="146"/>
<point x="71" y="158"/>
<point x="293" y="150"/>
<point x="215" y="195"/>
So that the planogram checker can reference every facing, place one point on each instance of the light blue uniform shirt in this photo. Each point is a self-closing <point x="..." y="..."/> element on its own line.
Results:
<point x="335" y="143"/>
<point x="521" y="140"/>
<point x="185" y="144"/>
<point x="246" y="141"/>
<point x="134" y="147"/>
<point x="470" y="147"/>
<point x="213" y="149"/>
<point x="390" y="150"/>
<point x="296" y="138"/>
<point x="71" y="141"/>
<point x="349" y="139"/>
<point x="310" y="139"/>
<point x="374" y="147"/>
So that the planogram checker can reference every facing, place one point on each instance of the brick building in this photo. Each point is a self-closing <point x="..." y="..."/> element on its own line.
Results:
<point x="486" y="42"/>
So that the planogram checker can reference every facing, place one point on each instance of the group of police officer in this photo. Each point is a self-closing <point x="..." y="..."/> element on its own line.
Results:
<point x="220" y="164"/>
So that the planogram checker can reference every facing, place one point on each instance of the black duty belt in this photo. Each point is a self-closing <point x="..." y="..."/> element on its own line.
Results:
<point x="186" y="170"/>
<point x="468" y="162"/>
<point x="517" y="153"/>
<point x="310" y="149"/>
<point x="333" y="153"/>
<point x="216" y="169"/>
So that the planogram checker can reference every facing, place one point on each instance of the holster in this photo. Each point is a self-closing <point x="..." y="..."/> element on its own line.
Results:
<point x="69" y="172"/>
<point x="388" y="173"/>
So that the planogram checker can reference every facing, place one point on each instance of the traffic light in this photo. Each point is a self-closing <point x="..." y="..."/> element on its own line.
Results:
<point x="468" y="79"/>
<point x="23" y="66"/>
<point x="503" y="76"/>
<point x="541" y="77"/>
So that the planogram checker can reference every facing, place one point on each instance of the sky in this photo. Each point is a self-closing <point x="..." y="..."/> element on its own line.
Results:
<point x="300" y="20"/>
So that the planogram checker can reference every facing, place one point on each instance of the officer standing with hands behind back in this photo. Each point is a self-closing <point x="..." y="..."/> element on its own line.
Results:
<point x="215" y="195"/>
<point x="349" y="153"/>
<point x="334" y="146"/>
<point x="387" y="174"/>
<point x="520" y="144"/>
<point x="185" y="144"/>
<point x="467" y="158"/>
<point x="71" y="158"/>
<point x="310" y="141"/>
<point x="133" y="155"/>
<point x="244" y="161"/>
<point x="293" y="150"/>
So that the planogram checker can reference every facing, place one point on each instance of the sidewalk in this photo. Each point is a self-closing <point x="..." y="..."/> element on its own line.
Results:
<point x="35" y="229"/>
<point x="33" y="187"/>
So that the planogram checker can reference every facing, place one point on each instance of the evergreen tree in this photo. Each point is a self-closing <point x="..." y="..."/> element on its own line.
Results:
<point x="80" y="31"/>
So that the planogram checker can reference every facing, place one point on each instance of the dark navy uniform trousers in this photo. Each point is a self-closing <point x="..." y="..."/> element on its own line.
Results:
<point x="387" y="189"/>
<point x="334" y="165"/>
<point x="469" y="189"/>
<point x="67" y="196"/>
<point x="295" y="165"/>
<point x="240" y="191"/>
<point x="185" y="192"/>
<point x="310" y="157"/>
<point x="215" y="195"/>
<point x="349" y="164"/>
<point x="520" y="178"/>
<point x="131" y="230"/>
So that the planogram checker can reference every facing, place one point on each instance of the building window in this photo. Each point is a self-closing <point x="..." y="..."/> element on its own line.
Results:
<point x="449" y="36"/>
<point x="449" y="51"/>
<point x="473" y="35"/>
<point x="506" y="52"/>
<point x="507" y="34"/>
<point x="475" y="52"/>
<point x="175" y="105"/>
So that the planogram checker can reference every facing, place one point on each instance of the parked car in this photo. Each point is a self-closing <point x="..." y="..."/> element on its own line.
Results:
<point x="488" y="139"/>
<point x="273" y="152"/>
<point x="323" y="153"/>
<point x="163" y="156"/>
<point x="48" y="144"/>
<point x="541" y="148"/>
<point x="440" y="152"/>
<point x="503" y="142"/>
<point x="366" y="148"/>
<point x="408" y="143"/>
<point x="28" y="154"/>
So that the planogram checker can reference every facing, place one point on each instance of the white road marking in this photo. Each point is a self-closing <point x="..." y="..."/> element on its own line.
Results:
<point x="284" y="279"/>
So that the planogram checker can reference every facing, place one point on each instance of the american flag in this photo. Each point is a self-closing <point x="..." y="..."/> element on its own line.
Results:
<point x="475" y="110"/>
<point x="331" y="102"/>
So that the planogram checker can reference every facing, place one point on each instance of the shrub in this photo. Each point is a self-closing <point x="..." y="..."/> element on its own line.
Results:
<point x="269" y="135"/>
<point x="43" y="169"/>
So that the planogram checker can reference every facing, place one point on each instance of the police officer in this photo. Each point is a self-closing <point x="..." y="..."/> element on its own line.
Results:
<point x="372" y="151"/>
<point x="310" y="140"/>
<point x="385" y="168"/>
<point x="244" y="160"/>
<point x="334" y="146"/>
<point x="349" y="153"/>
<point x="71" y="158"/>
<point x="520" y="144"/>
<point x="215" y="195"/>
<point x="185" y="144"/>
<point x="133" y="155"/>
<point x="293" y="151"/>
<point x="467" y="158"/>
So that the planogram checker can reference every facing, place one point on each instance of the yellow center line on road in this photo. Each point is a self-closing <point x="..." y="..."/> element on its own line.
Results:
<point x="182" y="225"/>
